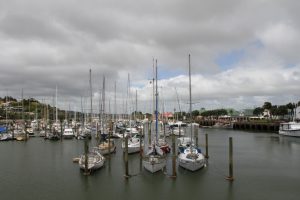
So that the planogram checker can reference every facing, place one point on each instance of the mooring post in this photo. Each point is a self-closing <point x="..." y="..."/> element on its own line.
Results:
<point x="179" y="130"/>
<point x="230" y="177"/>
<point x="141" y="146"/>
<point x="109" y="132"/>
<point x="164" y="127"/>
<point x="25" y="133"/>
<point x="206" y="146"/>
<point x="126" y="158"/>
<point x="196" y="128"/>
<point x="109" y="145"/>
<point x="13" y="132"/>
<point x="97" y="136"/>
<point x="149" y="133"/>
<point x="86" y="149"/>
<point x="61" y="130"/>
<point x="173" y="155"/>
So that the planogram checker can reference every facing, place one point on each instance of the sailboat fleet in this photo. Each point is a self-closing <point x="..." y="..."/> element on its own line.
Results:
<point x="154" y="154"/>
<point x="191" y="157"/>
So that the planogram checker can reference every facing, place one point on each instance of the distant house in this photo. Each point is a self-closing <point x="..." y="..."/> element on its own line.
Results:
<point x="167" y="115"/>
<point x="5" y="104"/>
<point x="246" y="113"/>
<point x="297" y="113"/>
<point x="266" y="113"/>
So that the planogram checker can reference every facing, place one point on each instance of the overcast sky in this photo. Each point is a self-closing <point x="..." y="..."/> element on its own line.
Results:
<point x="242" y="52"/>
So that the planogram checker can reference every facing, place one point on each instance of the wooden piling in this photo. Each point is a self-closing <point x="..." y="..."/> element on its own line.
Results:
<point x="149" y="132"/>
<point x="86" y="149"/>
<point x="179" y="131"/>
<point x="25" y="136"/>
<point x="164" y="127"/>
<point x="126" y="158"/>
<point x="109" y="144"/>
<point x="206" y="146"/>
<point x="173" y="156"/>
<point x="61" y="130"/>
<point x="230" y="177"/>
<point x="196" y="128"/>
<point x="141" y="147"/>
<point x="13" y="132"/>
<point x="97" y="134"/>
<point x="109" y="132"/>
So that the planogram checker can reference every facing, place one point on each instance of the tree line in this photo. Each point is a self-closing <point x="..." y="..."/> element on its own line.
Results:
<point x="276" y="110"/>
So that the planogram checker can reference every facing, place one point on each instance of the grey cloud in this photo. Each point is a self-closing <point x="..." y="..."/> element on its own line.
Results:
<point x="48" y="43"/>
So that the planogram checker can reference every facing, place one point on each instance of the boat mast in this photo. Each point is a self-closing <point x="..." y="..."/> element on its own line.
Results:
<point x="190" y="91"/>
<point x="103" y="105"/>
<point x="156" y="103"/>
<point x="22" y="107"/>
<point x="135" y="114"/>
<point x="6" y="112"/>
<point x="153" y="100"/>
<point x="128" y="104"/>
<point x="91" y="96"/>
<point x="56" y="114"/>
<point x="178" y="102"/>
<point x="115" y="102"/>
<point x="82" y="113"/>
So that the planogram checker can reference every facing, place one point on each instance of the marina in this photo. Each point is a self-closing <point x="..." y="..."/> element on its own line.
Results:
<point x="149" y="100"/>
<point x="266" y="166"/>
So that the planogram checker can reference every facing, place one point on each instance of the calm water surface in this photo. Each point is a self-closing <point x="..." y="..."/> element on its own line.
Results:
<point x="266" y="166"/>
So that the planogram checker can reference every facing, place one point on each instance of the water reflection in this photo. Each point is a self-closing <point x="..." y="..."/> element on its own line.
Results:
<point x="263" y="162"/>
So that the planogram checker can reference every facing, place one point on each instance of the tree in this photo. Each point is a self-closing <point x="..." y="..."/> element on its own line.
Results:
<point x="217" y="112"/>
<point x="282" y="110"/>
<point x="195" y="113"/>
<point x="273" y="110"/>
<point x="267" y="105"/>
<point x="258" y="111"/>
<point x="290" y="106"/>
<point x="230" y="111"/>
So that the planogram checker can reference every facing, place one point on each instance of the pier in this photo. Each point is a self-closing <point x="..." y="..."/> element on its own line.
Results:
<point x="256" y="126"/>
<point x="242" y="124"/>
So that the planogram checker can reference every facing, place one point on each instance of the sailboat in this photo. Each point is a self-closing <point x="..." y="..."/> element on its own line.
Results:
<point x="4" y="134"/>
<point x="291" y="128"/>
<point x="155" y="158"/>
<point x="53" y="134"/>
<point x="94" y="160"/>
<point x="20" y="133"/>
<point x="135" y="143"/>
<point x="107" y="146"/>
<point x="191" y="157"/>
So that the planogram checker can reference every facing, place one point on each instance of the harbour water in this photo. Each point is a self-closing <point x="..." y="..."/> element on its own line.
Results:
<point x="266" y="166"/>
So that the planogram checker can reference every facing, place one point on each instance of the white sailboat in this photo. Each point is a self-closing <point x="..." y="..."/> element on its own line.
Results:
<point x="291" y="128"/>
<point x="191" y="157"/>
<point x="94" y="161"/>
<point x="134" y="144"/>
<point x="155" y="159"/>
<point x="68" y="133"/>
<point x="107" y="146"/>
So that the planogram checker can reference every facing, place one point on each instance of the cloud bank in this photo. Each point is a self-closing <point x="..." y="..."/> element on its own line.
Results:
<point x="49" y="43"/>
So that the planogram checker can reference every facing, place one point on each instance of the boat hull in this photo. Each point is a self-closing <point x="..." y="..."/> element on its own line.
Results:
<point x="68" y="136"/>
<point x="154" y="164"/>
<point x="105" y="151"/>
<point x="132" y="149"/>
<point x="95" y="161"/>
<point x="191" y="165"/>
<point x="290" y="129"/>
<point x="293" y="133"/>
<point x="191" y="159"/>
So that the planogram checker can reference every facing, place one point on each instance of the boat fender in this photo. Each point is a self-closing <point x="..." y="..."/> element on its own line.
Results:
<point x="198" y="150"/>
